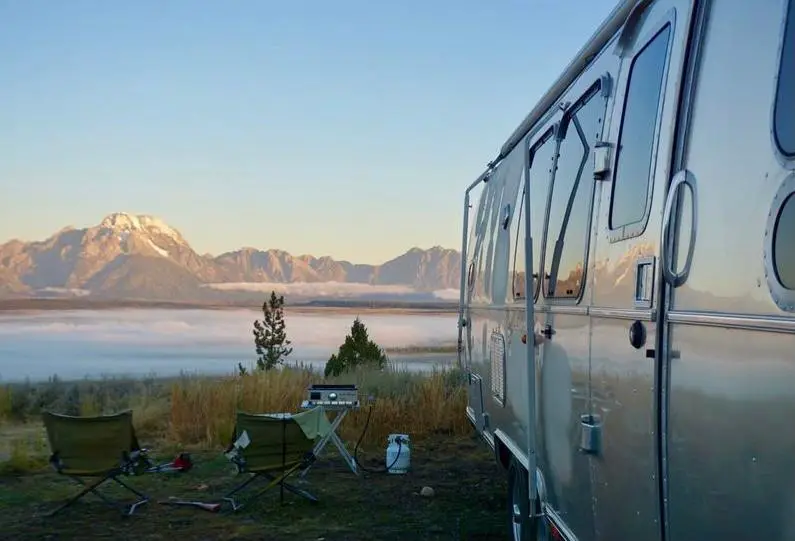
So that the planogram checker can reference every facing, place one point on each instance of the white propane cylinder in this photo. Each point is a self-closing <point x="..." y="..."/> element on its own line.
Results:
<point x="398" y="453"/>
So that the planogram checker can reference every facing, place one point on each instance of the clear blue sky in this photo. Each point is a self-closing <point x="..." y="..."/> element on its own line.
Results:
<point x="347" y="128"/>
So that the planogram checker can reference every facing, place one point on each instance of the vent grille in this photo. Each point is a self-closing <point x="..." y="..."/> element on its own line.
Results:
<point x="498" y="366"/>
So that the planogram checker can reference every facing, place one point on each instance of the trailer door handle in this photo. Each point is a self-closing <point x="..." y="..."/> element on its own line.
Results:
<point x="682" y="178"/>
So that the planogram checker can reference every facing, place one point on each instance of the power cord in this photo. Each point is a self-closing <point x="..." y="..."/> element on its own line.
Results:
<point x="361" y="436"/>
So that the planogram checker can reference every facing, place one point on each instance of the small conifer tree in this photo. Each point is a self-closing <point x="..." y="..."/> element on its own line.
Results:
<point x="270" y="334"/>
<point x="357" y="350"/>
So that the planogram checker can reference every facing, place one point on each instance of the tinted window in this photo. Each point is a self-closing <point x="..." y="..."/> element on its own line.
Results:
<point x="636" y="141"/>
<point x="784" y="244"/>
<point x="540" y="168"/>
<point x="570" y="205"/>
<point x="784" y="118"/>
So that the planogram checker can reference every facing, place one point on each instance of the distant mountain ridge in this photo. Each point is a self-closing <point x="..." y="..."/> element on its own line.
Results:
<point x="129" y="256"/>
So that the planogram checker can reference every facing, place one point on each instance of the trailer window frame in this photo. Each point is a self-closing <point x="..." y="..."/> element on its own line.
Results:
<point x="785" y="86"/>
<point x="781" y="291"/>
<point x="519" y="238"/>
<point x="787" y="280"/>
<point x="474" y="291"/>
<point x="634" y="229"/>
<point x="547" y="135"/>
<point x="475" y="213"/>
<point x="592" y="94"/>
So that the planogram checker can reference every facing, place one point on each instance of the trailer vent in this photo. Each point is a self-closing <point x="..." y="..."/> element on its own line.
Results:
<point x="498" y="367"/>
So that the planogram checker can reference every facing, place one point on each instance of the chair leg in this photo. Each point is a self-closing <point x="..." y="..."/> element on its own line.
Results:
<point x="142" y="498"/>
<point x="229" y="496"/>
<point x="294" y="489"/>
<point x="87" y="488"/>
<point x="127" y="509"/>
<point x="273" y="481"/>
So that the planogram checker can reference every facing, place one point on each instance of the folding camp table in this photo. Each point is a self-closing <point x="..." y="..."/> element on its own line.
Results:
<point x="342" y="411"/>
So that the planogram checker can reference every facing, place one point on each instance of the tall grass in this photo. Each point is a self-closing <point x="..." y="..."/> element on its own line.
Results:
<point x="22" y="403"/>
<point x="203" y="410"/>
<point x="198" y="412"/>
<point x="26" y="451"/>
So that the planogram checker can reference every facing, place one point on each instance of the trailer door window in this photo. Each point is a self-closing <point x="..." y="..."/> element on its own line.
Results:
<point x="539" y="174"/>
<point x="784" y="115"/>
<point x="570" y="204"/>
<point x="630" y="198"/>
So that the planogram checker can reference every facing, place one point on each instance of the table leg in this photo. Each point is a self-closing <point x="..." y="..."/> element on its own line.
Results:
<point x="332" y="431"/>
<point x="338" y="443"/>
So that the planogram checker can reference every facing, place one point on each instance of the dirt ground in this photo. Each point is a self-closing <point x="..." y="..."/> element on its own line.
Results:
<point x="469" y="502"/>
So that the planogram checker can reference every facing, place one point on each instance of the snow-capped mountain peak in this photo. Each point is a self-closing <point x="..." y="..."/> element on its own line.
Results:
<point x="123" y="223"/>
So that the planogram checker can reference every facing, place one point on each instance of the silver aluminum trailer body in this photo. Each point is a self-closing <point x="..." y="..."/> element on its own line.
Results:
<point x="651" y="195"/>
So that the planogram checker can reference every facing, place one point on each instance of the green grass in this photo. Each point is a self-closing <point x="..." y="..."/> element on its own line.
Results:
<point x="468" y="504"/>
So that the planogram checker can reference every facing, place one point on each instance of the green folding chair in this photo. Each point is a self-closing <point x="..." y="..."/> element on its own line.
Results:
<point x="274" y="447"/>
<point x="98" y="448"/>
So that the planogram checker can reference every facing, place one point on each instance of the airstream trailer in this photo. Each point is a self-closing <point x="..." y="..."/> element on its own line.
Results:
<point x="627" y="311"/>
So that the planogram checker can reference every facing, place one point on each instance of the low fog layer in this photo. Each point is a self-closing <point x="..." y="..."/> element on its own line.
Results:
<point x="87" y="342"/>
<point x="341" y="290"/>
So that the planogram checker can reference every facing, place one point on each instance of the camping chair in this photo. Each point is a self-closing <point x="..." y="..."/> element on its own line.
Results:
<point x="102" y="448"/>
<point x="274" y="446"/>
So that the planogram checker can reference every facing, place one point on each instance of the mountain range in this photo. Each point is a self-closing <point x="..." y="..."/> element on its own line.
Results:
<point x="129" y="256"/>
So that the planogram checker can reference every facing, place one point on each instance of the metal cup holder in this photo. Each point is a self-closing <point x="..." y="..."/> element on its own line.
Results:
<point x="590" y="433"/>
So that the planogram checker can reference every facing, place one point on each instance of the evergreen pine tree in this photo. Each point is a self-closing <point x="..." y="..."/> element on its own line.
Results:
<point x="270" y="334"/>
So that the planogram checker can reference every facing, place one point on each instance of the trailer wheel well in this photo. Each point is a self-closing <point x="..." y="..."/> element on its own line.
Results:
<point x="502" y="453"/>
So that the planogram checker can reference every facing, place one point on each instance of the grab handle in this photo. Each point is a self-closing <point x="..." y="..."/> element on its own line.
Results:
<point x="674" y="279"/>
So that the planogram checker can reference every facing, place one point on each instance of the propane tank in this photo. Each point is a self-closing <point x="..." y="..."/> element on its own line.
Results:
<point x="398" y="453"/>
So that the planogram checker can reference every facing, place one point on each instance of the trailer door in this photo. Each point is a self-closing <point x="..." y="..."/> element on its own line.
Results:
<point x="625" y="364"/>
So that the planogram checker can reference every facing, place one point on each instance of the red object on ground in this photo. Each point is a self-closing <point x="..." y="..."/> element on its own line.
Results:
<point x="183" y="462"/>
